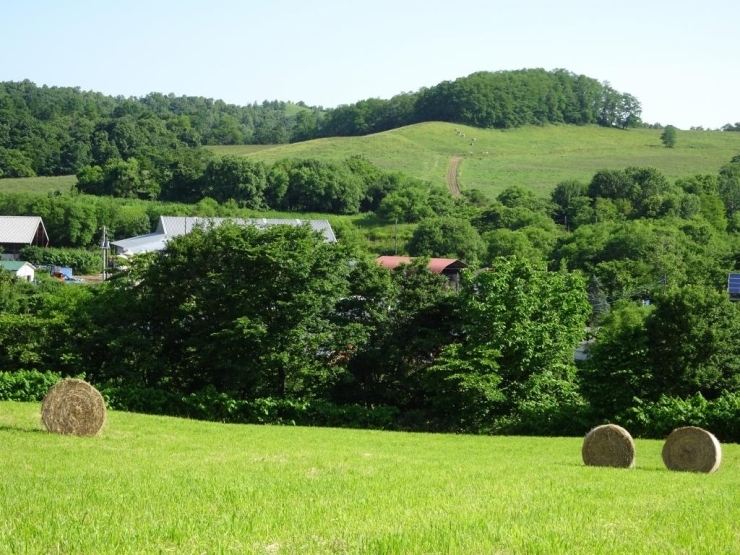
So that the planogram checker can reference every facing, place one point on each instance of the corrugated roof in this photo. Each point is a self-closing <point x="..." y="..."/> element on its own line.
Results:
<point x="174" y="226"/>
<point x="20" y="229"/>
<point x="437" y="265"/>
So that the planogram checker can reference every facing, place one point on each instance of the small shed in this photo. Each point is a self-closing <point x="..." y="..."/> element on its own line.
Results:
<point x="23" y="270"/>
<point x="17" y="232"/>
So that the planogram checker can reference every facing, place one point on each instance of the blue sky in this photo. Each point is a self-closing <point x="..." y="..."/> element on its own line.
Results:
<point x="679" y="58"/>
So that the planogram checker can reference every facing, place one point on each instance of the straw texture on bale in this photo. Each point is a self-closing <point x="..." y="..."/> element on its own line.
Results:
<point x="692" y="449"/>
<point x="73" y="407"/>
<point x="608" y="445"/>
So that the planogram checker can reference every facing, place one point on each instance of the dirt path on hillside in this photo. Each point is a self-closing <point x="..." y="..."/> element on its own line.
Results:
<point x="452" y="183"/>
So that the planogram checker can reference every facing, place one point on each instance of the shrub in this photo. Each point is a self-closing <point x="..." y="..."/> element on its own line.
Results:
<point x="26" y="385"/>
<point x="81" y="261"/>
<point x="658" y="419"/>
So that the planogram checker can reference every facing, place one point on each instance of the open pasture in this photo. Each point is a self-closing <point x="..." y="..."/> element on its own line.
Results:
<point x="164" y="485"/>
<point x="535" y="157"/>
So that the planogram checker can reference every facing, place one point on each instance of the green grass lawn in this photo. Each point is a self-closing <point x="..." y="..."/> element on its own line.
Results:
<point x="163" y="485"/>
<point x="536" y="157"/>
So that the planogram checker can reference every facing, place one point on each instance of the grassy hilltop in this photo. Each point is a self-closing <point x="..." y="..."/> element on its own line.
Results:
<point x="536" y="157"/>
<point x="158" y="485"/>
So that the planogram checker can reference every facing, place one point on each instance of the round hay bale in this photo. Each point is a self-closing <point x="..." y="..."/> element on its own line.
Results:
<point x="608" y="445"/>
<point x="73" y="407"/>
<point x="692" y="449"/>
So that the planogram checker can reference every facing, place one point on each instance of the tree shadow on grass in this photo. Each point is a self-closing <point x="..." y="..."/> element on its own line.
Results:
<point x="634" y="469"/>
<point x="10" y="428"/>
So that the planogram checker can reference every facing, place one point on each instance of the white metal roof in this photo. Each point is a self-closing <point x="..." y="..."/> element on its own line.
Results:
<point x="174" y="226"/>
<point x="20" y="229"/>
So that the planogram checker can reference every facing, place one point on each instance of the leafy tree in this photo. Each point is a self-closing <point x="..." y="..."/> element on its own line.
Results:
<point x="245" y="310"/>
<point x="517" y="321"/>
<point x="531" y="244"/>
<point x="315" y="186"/>
<point x="447" y="237"/>
<point x="231" y="177"/>
<point x="668" y="137"/>
<point x="684" y="345"/>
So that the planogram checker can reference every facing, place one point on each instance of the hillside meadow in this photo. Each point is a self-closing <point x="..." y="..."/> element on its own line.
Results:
<point x="535" y="157"/>
<point x="164" y="485"/>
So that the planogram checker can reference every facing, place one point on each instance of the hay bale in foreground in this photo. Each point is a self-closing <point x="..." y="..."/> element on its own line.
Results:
<point x="73" y="407"/>
<point x="692" y="449"/>
<point x="608" y="445"/>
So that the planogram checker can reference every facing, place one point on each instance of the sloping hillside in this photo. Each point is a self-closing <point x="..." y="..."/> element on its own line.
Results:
<point x="536" y="157"/>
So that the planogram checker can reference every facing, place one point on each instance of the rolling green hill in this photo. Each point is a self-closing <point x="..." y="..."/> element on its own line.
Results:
<point x="536" y="157"/>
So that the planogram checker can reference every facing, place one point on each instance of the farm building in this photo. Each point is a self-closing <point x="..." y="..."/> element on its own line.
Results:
<point x="17" y="232"/>
<point x="23" y="270"/>
<point x="450" y="267"/>
<point x="174" y="226"/>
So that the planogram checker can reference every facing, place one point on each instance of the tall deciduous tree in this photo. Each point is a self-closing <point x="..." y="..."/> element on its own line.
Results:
<point x="517" y="321"/>
<point x="244" y="309"/>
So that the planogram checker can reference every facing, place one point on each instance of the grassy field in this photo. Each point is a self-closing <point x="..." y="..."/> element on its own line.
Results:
<point x="536" y="157"/>
<point x="37" y="184"/>
<point x="163" y="485"/>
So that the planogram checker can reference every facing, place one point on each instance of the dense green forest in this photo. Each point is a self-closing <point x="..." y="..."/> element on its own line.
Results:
<point x="59" y="131"/>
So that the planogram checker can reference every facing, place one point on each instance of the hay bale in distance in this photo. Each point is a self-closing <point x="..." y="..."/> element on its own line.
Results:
<point x="608" y="445"/>
<point x="73" y="407"/>
<point x="692" y="449"/>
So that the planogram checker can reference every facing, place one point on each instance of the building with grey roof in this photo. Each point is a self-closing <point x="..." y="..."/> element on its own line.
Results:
<point x="17" y="232"/>
<point x="174" y="226"/>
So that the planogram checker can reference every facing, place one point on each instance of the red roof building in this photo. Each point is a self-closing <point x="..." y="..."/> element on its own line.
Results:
<point x="450" y="267"/>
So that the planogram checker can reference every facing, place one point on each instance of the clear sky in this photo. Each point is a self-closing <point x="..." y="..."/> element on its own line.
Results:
<point x="680" y="58"/>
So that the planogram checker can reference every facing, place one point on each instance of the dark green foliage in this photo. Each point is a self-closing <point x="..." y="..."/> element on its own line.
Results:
<point x="247" y="308"/>
<point x="507" y="99"/>
<point x="81" y="261"/>
<point x="411" y="201"/>
<point x="242" y="180"/>
<point x="659" y="418"/>
<point x="60" y="130"/>
<point x="315" y="186"/>
<point x="210" y="404"/>
<point x="447" y="237"/>
<point x="26" y="386"/>
<point x="684" y="345"/>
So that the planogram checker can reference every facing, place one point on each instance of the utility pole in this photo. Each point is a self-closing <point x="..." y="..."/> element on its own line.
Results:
<point x="104" y="246"/>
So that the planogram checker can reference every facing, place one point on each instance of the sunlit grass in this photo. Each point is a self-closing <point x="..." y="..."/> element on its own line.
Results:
<point x="536" y="157"/>
<point x="157" y="485"/>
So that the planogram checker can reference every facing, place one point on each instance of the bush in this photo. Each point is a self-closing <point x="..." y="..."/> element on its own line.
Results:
<point x="26" y="385"/>
<point x="145" y="400"/>
<point x="210" y="404"/>
<point x="81" y="261"/>
<point x="657" y="419"/>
